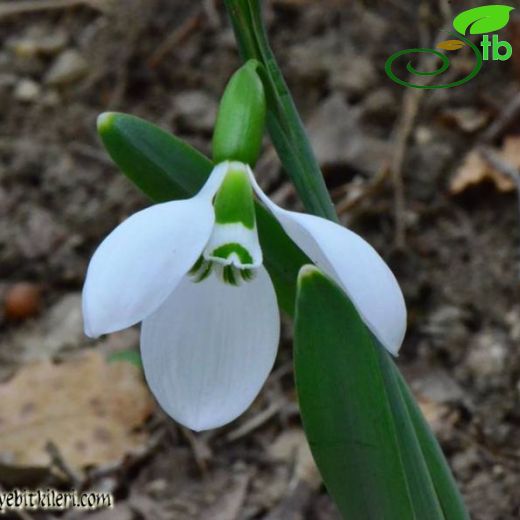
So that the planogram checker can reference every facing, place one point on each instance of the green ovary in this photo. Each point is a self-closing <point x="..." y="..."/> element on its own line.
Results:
<point x="234" y="200"/>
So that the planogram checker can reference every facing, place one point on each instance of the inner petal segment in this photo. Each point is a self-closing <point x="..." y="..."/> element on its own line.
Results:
<point x="233" y="248"/>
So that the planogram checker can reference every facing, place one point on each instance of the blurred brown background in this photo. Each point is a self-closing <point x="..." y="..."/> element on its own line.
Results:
<point x="428" y="177"/>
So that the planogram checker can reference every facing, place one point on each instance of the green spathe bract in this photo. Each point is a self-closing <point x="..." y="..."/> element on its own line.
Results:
<point x="481" y="20"/>
<point x="234" y="200"/>
<point x="241" y="117"/>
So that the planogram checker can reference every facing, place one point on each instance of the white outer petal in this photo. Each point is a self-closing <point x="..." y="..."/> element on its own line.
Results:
<point x="143" y="259"/>
<point x="354" y="264"/>
<point x="209" y="348"/>
<point x="214" y="181"/>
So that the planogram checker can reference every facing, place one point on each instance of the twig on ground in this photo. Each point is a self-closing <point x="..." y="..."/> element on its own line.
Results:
<point x="28" y="6"/>
<point x="176" y="37"/>
<point x="281" y="371"/>
<point x="405" y="124"/>
<point x="90" y="152"/>
<point x="497" y="162"/>
<point x="201" y="451"/>
<point x="348" y="202"/>
<point x="256" y="421"/>
<point x="212" y="15"/>
<point x="294" y="505"/>
<point x="58" y="461"/>
<point x="402" y="131"/>
<point x="446" y="9"/>
<point x="229" y="506"/>
<point x="510" y="113"/>
<point x="304" y="483"/>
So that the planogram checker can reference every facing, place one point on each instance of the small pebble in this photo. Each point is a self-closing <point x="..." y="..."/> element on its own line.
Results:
<point x="68" y="67"/>
<point x="487" y="356"/>
<point x="27" y="90"/>
<point x="22" y="301"/>
<point x="38" y="43"/>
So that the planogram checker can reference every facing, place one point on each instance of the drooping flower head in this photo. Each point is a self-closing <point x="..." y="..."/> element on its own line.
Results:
<point x="192" y="272"/>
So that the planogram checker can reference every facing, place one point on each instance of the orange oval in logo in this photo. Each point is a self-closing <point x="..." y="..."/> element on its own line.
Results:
<point x="451" y="45"/>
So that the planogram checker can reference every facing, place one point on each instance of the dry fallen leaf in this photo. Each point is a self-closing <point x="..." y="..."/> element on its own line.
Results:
<point x="475" y="169"/>
<point x="511" y="150"/>
<point x="441" y="417"/>
<point x="86" y="407"/>
<point x="450" y="45"/>
<point x="292" y="447"/>
<point x="467" y="119"/>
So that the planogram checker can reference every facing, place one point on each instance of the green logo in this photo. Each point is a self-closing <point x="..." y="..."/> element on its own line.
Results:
<point x="479" y="20"/>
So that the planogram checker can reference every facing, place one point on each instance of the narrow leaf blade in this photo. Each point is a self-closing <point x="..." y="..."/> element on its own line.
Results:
<point x="158" y="163"/>
<point x="424" y="497"/>
<point x="445" y="485"/>
<point x="345" y="411"/>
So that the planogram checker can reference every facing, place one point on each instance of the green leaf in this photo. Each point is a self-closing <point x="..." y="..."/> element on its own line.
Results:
<point x="422" y="490"/>
<point x="128" y="356"/>
<point x="445" y="485"/>
<point x="158" y="163"/>
<point x="481" y="20"/>
<point x="282" y="258"/>
<point x="165" y="168"/>
<point x="354" y="427"/>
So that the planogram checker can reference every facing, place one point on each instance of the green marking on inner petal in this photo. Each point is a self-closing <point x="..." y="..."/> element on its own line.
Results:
<point x="196" y="267"/>
<point x="229" y="275"/>
<point x="204" y="273"/>
<point x="234" y="200"/>
<point x="227" y="250"/>
<point x="247" y="274"/>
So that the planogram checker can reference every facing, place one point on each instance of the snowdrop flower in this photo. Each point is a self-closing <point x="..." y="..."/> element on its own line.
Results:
<point x="191" y="271"/>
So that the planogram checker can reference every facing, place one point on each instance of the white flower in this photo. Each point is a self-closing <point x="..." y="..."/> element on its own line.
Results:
<point x="192" y="272"/>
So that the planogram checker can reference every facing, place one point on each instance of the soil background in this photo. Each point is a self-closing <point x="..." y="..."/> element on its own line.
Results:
<point x="427" y="176"/>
